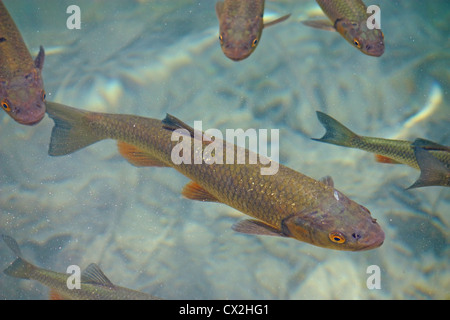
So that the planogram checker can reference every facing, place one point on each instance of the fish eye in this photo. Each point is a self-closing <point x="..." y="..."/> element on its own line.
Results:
<point x="5" y="105"/>
<point x="337" y="237"/>
<point x="357" y="43"/>
<point x="254" y="42"/>
<point x="43" y="95"/>
<point x="221" y="38"/>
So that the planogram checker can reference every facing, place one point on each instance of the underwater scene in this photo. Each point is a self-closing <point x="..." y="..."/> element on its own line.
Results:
<point x="356" y="104"/>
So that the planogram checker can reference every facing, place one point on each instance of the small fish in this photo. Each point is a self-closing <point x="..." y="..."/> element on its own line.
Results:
<point x="349" y="18"/>
<point x="285" y="204"/>
<point x="392" y="151"/>
<point x="94" y="285"/>
<point x="22" y="93"/>
<point x="240" y="26"/>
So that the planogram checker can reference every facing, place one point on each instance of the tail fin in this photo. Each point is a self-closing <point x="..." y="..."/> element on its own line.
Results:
<point x="432" y="171"/>
<point x="20" y="268"/>
<point x="70" y="132"/>
<point x="336" y="132"/>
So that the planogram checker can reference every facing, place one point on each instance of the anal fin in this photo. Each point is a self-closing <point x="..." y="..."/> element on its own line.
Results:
<point x="383" y="159"/>
<point x="138" y="157"/>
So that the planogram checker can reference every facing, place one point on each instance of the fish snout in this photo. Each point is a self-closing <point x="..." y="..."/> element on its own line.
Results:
<point x="375" y="49"/>
<point x="236" y="53"/>
<point x="30" y="116"/>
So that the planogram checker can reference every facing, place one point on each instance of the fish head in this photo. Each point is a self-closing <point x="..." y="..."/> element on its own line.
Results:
<point x="336" y="223"/>
<point x="368" y="41"/>
<point x="23" y="98"/>
<point x="239" y="38"/>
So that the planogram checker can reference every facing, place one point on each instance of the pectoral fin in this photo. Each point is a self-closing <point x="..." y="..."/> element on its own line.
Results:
<point x="281" y="19"/>
<point x="194" y="191"/>
<point x="257" y="227"/>
<point x="320" y="24"/>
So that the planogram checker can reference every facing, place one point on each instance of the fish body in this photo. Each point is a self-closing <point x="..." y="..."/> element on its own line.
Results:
<point x="240" y="26"/>
<point x="349" y="18"/>
<point x="287" y="204"/>
<point x="22" y="92"/>
<point x="386" y="150"/>
<point x="94" y="285"/>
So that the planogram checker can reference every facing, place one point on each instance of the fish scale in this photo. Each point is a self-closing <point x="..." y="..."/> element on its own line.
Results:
<point x="354" y="10"/>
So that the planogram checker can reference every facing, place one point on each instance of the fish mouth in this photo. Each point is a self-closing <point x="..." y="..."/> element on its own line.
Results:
<point x="371" y="246"/>
<point x="236" y="54"/>
<point x="375" y="51"/>
<point x="31" y="121"/>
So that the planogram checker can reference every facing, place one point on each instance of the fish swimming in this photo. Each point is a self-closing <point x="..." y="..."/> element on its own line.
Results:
<point x="94" y="285"/>
<point x="286" y="204"/>
<point x="240" y="26"/>
<point x="22" y="91"/>
<point x="393" y="151"/>
<point x="349" y="18"/>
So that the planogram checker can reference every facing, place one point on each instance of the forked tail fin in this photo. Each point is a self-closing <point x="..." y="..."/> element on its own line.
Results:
<point x="70" y="132"/>
<point x="20" y="268"/>
<point x="336" y="132"/>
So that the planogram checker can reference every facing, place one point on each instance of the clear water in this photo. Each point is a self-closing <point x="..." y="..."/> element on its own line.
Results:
<point x="155" y="57"/>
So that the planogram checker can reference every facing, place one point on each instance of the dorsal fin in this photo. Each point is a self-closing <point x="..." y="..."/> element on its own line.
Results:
<point x="194" y="191"/>
<point x="219" y="9"/>
<point x="429" y="145"/>
<point x="94" y="275"/>
<point x="327" y="180"/>
<point x="172" y="123"/>
<point x="39" y="61"/>
<point x="138" y="157"/>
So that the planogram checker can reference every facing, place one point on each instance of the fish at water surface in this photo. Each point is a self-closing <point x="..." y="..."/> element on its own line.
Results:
<point x="240" y="26"/>
<point x="286" y="204"/>
<point x="349" y="18"/>
<point x="22" y="92"/>
<point x="431" y="158"/>
<point x="94" y="285"/>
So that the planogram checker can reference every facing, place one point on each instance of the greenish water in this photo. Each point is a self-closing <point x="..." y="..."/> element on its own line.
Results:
<point x="155" y="57"/>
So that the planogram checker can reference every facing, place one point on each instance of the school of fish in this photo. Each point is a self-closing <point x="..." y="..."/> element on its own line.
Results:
<point x="286" y="204"/>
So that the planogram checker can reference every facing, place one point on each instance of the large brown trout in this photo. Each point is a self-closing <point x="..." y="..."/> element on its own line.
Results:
<point x="431" y="158"/>
<point x="349" y="18"/>
<point x="287" y="204"/>
<point x="94" y="285"/>
<point x="240" y="26"/>
<point x="22" y="92"/>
